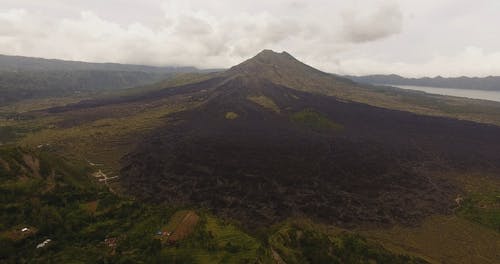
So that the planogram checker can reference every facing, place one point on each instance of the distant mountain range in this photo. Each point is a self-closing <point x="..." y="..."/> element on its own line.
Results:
<point x="28" y="78"/>
<point x="23" y="64"/>
<point x="491" y="83"/>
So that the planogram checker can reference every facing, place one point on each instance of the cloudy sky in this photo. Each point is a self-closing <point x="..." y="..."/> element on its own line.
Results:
<point x="407" y="37"/>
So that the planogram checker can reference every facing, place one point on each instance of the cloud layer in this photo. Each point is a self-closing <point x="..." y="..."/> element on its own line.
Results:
<point x="384" y="21"/>
<point x="349" y="37"/>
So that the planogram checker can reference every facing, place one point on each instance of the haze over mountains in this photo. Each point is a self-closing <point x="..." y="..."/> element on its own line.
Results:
<point x="29" y="64"/>
<point x="491" y="83"/>
<point x="23" y="78"/>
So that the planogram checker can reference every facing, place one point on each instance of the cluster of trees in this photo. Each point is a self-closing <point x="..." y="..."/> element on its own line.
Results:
<point x="305" y="244"/>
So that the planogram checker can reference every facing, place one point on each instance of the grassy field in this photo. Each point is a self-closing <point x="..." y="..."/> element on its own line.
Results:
<point x="100" y="139"/>
<point x="442" y="239"/>
<point x="314" y="120"/>
<point x="470" y="235"/>
<point x="481" y="202"/>
<point x="302" y="241"/>
<point x="426" y="104"/>
<point x="265" y="102"/>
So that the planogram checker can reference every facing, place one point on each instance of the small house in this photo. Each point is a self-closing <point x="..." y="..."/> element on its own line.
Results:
<point x="44" y="243"/>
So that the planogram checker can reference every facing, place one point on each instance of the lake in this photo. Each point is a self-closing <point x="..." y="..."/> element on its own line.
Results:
<point x="467" y="93"/>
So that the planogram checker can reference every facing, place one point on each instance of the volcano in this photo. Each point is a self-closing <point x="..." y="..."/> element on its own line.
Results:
<point x="265" y="143"/>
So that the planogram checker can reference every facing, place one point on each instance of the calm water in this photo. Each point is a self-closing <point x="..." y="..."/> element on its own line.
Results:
<point x="468" y="93"/>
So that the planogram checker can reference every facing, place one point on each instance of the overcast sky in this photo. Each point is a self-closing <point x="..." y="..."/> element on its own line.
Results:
<point x="407" y="37"/>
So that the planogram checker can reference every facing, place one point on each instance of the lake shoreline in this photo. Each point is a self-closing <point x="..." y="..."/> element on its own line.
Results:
<point x="458" y="92"/>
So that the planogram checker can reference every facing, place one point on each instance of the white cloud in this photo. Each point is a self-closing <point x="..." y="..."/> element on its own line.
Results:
<point x="384" y="21"/>
<point x="471" y="61"/>
<point x="355" y="37"/>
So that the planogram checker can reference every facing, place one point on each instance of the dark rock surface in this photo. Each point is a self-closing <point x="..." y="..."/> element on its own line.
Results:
<point x="374" y="166"/>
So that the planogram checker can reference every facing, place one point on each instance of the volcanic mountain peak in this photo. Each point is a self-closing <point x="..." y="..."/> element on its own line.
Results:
<point x="269" y="139"/>
<point x="271" y="53"/>
<point x="268" y="60"/>
<point x="272" y="57"/>
<point x="283" y="69"/>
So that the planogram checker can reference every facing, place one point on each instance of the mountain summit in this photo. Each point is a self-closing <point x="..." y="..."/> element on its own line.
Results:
<point x="284" y="69"/>
<point x="264" y="141"/>
<point x="268" y="60"/>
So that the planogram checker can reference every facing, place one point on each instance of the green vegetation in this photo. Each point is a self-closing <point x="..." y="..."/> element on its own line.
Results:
<point x="51" y="195"/>
<point x="7" y="134"/>
<point x="231" y="115"/>
<point x="481" y="201"/>
<point x="314" y="120"/>
<point x="92" y="135"/>
<point x="307" y="243"/>
<point x="265" y="102"/>
<point x="482" y="209"/>
<point x="11" y="132"/>
<point x="214" y="241"/>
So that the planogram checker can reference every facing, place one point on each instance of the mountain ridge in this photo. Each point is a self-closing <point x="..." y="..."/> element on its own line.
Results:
<point x="14" y="63"/>
<point x="489" y="83"/>
<point x="284" y="69"/>
<point x="25" y="78"/>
